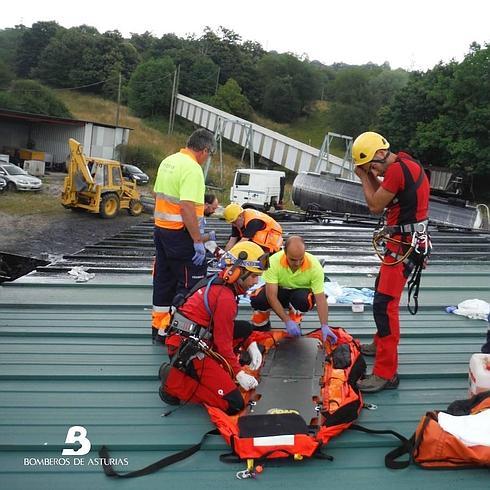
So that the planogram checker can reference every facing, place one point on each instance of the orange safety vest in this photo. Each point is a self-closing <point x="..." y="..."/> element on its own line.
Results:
<point x="167" y="204"/>
<point x="270" y="237"/>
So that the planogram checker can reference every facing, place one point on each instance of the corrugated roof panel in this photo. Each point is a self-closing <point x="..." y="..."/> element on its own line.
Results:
<point x="81" y="354"/>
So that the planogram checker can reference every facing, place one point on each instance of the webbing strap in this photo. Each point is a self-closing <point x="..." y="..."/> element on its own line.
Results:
<point x="419" y="226"/>
<point x="415" y="184"/>
<point x="361" y="428"/>
<point x="413" y="287"/>
<point x="404" y="448"/>
<point x="234" y="458"/>
<point x="157" y="465"/>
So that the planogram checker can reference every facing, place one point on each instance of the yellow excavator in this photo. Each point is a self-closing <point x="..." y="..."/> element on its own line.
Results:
<point x="96" y="185"/>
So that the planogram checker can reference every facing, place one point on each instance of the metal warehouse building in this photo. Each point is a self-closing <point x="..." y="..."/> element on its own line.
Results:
<point x="21" y="130"/>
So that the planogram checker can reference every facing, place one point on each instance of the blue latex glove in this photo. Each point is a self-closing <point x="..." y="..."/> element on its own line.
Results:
<point x="328" y="334"/>
<point x="200" y="255"/>
<point x="292" y="328"/>
<point x="212" y="236"/>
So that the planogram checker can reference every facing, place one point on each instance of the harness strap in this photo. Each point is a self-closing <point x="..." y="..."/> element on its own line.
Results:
<point x="418" y="227"/>
<point x="416" y="184"/>
<point x="413" y="287"/>
<point x="203" y="283"/>
<point x="157" y="465"/>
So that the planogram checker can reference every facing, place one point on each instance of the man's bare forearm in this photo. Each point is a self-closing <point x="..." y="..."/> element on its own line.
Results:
<point x="322" y="308"/>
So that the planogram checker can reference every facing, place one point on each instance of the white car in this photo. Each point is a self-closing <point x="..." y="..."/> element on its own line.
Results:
<point x="18" y="179"/>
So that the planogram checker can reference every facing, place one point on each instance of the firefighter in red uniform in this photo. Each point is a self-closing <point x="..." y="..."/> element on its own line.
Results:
<point x="203" y="337"/>
<point x="404" y="192"/>
<point x="249" y="224"/>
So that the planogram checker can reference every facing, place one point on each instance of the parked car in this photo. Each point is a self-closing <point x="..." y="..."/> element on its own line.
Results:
<point x="134" y="173"/>
<point x="18" y="179"/>
<point x="3" y="184"/>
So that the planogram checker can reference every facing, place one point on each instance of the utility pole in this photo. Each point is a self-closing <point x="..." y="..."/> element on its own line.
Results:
<point x="118" y="99"/>
<point x="172" y="99"/>
<point x="217" y="81"/>
<point x="117" y="119"/>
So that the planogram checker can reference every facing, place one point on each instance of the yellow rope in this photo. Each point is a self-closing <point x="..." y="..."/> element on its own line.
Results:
<point x="220" y="360"/>
<point x="380" y="236"/>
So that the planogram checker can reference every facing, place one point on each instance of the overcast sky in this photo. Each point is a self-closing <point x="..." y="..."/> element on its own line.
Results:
<point x="411" y="34"/>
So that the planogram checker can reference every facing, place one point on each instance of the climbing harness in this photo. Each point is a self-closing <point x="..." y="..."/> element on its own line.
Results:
<point x="414" y="253"/>
<point x="195" y="337"/>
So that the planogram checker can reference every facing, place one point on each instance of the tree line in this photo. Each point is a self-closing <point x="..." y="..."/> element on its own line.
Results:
<point x="440" y="116"/>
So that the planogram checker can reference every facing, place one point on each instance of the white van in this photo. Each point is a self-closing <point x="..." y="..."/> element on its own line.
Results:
<point x="258" y="189"/>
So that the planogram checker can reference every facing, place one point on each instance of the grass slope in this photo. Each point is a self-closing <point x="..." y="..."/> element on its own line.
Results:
<point x="310" y="128"/>
<point x="151" y="134"/>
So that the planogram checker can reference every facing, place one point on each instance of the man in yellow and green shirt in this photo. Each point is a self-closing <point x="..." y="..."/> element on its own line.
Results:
<point x="180" y="256"/>
<point x="294" y="281"/>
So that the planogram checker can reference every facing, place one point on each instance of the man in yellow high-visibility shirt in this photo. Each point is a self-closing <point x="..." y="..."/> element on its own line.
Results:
<point x="294" y="281"/>
<point x="180" y="260"/>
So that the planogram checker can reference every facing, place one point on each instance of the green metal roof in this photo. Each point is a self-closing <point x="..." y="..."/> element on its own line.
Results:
<point x="81" y="354"/>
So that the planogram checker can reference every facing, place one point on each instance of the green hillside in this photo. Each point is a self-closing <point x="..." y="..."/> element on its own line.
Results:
<point x="149" y="137"/>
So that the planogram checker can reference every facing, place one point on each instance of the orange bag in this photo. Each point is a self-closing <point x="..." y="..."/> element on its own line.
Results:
<point x="432" y="447"/>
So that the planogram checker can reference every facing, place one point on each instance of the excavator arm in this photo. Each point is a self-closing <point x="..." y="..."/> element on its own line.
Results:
<point x="78" y="170"/>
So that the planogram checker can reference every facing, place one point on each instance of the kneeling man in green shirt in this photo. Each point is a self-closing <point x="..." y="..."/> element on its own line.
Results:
<point x="293" y="281"/>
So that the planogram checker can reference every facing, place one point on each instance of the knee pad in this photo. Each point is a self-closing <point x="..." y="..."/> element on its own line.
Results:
<point x="380" y="313"/>
<point x="258" y="300"/>
<point x="302" y="300"/>
<point x="235" y="402"/>
<point x="163" y="372"/>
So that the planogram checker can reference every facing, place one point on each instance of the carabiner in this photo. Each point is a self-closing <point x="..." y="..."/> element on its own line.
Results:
<point x="244" y="474"/>
<point x="370" y="406"/>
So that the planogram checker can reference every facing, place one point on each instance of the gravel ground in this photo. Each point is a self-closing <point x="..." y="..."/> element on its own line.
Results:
<point x="60" y="231"/>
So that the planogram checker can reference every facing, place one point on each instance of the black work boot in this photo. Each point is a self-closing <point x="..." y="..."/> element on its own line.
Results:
<point x="373" y="383"/>
<point x="368" y="349"/>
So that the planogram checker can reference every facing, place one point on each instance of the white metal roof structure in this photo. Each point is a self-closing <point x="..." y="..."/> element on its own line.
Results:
<point x="273" y="146"/>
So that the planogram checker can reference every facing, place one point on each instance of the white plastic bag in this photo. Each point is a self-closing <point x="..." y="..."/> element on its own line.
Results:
<point x="476" y="309"/>
<point x="80" y="274"/>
